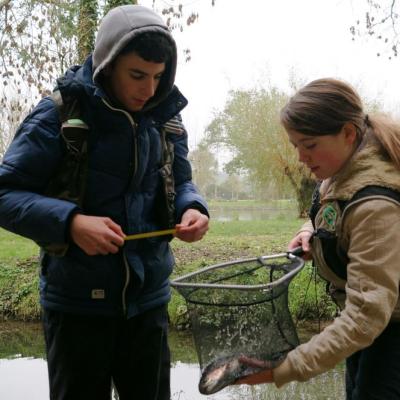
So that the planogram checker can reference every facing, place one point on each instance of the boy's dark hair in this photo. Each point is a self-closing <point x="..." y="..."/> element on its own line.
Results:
<point x="151" y="46"/>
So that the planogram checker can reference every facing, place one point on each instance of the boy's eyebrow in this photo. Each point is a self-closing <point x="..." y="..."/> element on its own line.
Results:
<point x="139" y="71"/>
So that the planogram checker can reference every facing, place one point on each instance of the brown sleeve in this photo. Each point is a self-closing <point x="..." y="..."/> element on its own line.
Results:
<point x="372" y="292"/>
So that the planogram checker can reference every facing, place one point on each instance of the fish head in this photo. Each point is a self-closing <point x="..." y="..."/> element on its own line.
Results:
<point x="217" y="378"/>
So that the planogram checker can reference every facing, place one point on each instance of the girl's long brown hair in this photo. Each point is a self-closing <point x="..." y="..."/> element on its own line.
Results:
<point x="323" y="106"/>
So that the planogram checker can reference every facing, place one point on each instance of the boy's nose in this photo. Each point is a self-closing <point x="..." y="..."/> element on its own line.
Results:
<point x="149" y="88"/>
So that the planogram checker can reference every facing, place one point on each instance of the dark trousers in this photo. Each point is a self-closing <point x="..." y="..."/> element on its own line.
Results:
<point x="86" y="354"/>
<point x="374" y="373"/>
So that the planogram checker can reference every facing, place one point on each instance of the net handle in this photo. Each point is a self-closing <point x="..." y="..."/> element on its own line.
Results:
<point x="177" y="282"/>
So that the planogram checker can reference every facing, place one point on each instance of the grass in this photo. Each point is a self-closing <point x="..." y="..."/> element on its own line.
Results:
<point x="15" y="247"/>
<point x="21" y="338"/>
<point x="19" y="289"/>
<point x="225" y="241"/>
<point x="232" y="240"/>
<point x="19" y="281"/>
<point x="276" y="226"/>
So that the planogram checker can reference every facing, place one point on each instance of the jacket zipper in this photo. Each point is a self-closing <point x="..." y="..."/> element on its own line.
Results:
<point x="127" y="275"/>
<point x="134" y="128"/>
<point x="135" y="159"/>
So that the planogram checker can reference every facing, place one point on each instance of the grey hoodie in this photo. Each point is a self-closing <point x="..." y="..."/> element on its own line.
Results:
<point x="120" y="27"/>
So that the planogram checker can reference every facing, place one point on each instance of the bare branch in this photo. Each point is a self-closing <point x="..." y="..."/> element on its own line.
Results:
<point x="4" y="3"/>
<point x="381" y="22"/>
<point x="392" y="15"/>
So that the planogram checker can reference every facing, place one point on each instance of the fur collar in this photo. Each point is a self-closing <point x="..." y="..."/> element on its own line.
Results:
<point x="368" y="166"/>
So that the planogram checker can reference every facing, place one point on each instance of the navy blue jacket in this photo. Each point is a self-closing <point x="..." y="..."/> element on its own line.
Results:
<point x="122" y="182"/>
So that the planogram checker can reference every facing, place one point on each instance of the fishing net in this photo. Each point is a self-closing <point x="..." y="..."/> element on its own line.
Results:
<point x="240" y="308"/>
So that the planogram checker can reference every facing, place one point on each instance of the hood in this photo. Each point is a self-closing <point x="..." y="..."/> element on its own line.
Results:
<point x="118" y="28"/>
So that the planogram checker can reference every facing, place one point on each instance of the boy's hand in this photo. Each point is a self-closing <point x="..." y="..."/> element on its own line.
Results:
<point x="96" y="235"/>
<point x="193" y="226"/>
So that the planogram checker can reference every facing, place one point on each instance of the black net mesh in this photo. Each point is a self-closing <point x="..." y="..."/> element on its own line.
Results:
<point x="241" y="308"/>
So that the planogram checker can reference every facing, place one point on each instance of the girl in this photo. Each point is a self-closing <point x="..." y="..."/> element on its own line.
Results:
<point x="352" y="237"/>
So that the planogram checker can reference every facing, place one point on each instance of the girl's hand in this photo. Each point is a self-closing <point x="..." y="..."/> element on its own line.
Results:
<point x="258" y="378"/>
<point x="302" y="239"/>
<point x="264" y="376"/>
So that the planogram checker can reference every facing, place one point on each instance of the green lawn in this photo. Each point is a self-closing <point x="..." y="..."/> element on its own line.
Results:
<point x="14" y="247"/>
<point x="237" y="204"/>
<point x="225" y="241"/>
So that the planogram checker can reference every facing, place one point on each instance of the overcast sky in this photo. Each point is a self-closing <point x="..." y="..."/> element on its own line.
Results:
<point x="255" y="43"/>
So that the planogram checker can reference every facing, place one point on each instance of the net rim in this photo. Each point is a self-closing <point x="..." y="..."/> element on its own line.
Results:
<point x="177" y="282"/>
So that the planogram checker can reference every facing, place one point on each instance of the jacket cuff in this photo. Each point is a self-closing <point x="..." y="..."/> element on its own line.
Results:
<point x="283" y="374"/>
<point x="67" y="232"/>
<point x="195" y="206"/>
<point x="306" y="227"/>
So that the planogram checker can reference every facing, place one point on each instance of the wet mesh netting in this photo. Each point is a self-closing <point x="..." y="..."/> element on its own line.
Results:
<point x="240" y="308"/>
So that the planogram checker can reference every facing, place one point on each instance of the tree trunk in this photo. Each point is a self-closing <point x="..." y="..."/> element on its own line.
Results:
<point x="304" y="195"/>
<point x="115" y="3"/>
<point x="87" y="25"/>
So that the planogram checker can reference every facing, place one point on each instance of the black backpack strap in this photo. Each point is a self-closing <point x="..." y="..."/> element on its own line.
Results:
<point x="315" y="203"/>
<point x="335" y="257"/>
<point x="373" y="191"/>
<point x="165" y="203"/>
<point x="69" y="181"/>
<point x="167" y="198"/>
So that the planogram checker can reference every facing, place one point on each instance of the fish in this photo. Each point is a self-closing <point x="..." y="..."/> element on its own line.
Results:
<point x="226" y="370"/>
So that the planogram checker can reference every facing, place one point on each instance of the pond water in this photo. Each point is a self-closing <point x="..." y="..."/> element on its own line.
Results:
<point x="224" y="214"/>
<point x="23" y="372"/>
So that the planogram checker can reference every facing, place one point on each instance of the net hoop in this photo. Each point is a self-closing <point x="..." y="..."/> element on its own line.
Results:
<point x="179" y="282"/>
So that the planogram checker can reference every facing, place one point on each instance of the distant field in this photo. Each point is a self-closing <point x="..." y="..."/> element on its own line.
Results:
<point x="280" y="228"/>
<point x="283" y="203"/>
<point x="225" y="241"/>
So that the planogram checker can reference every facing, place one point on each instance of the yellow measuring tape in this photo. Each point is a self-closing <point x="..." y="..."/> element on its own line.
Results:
<point x="150" y="234"/>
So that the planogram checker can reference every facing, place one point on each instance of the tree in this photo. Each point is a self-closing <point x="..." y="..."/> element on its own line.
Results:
<point x="115" y="3"/>
<point x="87" y="23"/>
<point x="234" y="185"/>
<point x="35" y="42"/>
<point x="12" y="111"/>
<point x="204" y="166"/>
<point x="381" y="20"/>
<point x="39" y="40"/>
<point x="249" y="127"/>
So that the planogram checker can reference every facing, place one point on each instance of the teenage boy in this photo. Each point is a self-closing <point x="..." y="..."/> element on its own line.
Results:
<point x="104" y="300"/>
